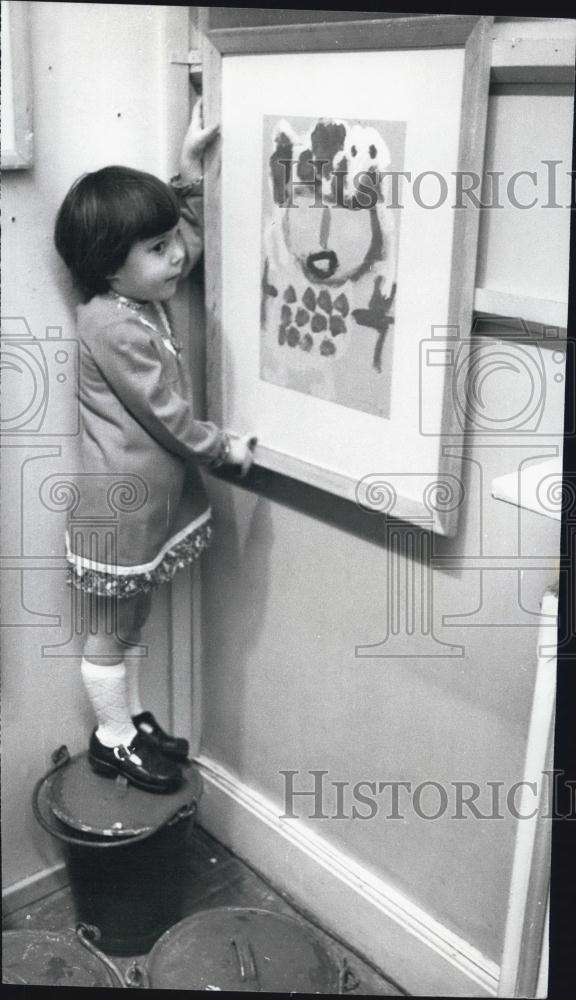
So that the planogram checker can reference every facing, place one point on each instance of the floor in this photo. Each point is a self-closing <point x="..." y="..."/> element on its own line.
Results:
<point x="215" y="877"/>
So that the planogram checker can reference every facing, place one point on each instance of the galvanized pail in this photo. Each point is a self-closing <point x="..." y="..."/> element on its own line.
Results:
<point x="125" y="849"/>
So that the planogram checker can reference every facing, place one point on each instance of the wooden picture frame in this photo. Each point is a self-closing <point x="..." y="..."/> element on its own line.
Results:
<point x="17" y="135"/>
<point x="402" y="465"/>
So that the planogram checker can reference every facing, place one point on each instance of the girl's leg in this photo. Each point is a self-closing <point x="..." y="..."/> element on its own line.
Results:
<point x="175" y="747"/>
<point x="117" y="746"/>
<point x="110" y="623"/>
<point x="142" y="605"/>
<point x="110" y="627"/>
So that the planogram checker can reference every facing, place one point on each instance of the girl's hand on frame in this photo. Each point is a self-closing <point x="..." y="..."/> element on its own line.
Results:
<point x="241" y="453"/>
<point x="196" y="140"/>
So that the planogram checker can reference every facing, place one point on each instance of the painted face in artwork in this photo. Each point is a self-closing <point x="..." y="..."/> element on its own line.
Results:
<point x="328" y="187"/>
<point x="331" y="244"/>
<point x="328" y="281"/>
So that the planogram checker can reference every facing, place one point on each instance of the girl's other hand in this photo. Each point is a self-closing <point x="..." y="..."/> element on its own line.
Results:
<point x="196" y="140"/>
<point x="241" y="453"/>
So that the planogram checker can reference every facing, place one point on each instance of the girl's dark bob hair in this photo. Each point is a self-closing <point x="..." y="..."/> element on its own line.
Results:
<point x="103" y="215"/>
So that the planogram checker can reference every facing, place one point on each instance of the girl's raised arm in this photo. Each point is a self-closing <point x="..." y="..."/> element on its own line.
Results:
<point x="188" y="185"/>
<point x="195" y="142"/>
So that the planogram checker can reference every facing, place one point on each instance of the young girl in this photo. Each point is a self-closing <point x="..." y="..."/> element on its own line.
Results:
<point x="127" y="239"/>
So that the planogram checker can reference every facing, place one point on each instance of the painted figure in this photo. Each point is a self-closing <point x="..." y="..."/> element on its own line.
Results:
<point x="329" y="261"/>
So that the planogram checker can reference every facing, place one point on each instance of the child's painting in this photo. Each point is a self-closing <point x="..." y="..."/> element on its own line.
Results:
<point x="329" y="251"/>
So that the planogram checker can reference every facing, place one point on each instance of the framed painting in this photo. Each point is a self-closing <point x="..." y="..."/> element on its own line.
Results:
<point x="16" y="88"/>
<point x="341" y="250"/>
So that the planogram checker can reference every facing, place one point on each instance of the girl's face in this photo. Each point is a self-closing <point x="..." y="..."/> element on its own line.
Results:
<point x="151" y="269"/>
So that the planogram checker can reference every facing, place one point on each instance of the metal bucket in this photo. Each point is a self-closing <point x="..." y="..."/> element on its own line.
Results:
<point x="242" y="949"/>
<point x="125" y="849"/>
<point x="54" y="958"/>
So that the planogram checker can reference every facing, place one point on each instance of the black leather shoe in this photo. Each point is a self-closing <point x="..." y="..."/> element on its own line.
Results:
<point x="173" y="746"/>
<point x="140" y="763"/>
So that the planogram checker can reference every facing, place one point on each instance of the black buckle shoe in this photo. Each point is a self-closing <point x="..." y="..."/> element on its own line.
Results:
<point x="173" y="746"/>
<point x="140" y="763"/>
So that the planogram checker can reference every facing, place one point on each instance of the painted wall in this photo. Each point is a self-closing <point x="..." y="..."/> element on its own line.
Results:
<point x="299" y="672"/>
<point x="104" y="91"/>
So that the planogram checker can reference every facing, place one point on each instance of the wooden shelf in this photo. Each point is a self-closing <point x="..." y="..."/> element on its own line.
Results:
<point x="550" y="313"/>
<point x="527" y="488"/>
<point x="533" y="60"/>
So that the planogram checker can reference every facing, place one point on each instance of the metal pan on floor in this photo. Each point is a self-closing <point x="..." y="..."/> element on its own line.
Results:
<point x="57" y="958"/>
<point x="242" y="949"/>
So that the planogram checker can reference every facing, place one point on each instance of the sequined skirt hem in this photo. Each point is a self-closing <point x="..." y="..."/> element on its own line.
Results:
<point x="111" y="584"/>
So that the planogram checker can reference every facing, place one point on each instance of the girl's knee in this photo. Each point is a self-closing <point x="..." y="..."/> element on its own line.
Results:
<point x="103" y="648"/>
<point x="109" y="622"/>
<point x="139" y="612"/>
<point x="113" y="624"/>
<point x="142" y="610"/>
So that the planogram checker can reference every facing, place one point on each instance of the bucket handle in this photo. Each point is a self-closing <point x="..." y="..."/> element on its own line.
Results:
<point x="347" y="978"/>
<point x="136" y="977"/>
<point x="246" y="961"/>
<point x="61" y="757"/>
<point x="87" y="934"/>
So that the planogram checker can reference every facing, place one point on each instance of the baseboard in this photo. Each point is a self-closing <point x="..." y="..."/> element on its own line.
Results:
<point x="409" y="945"/>
<point x="29" y="890"/>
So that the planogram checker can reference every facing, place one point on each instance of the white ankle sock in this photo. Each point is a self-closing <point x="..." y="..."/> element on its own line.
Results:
<point x="133" y="686"/>
<point x="106" y="689"/>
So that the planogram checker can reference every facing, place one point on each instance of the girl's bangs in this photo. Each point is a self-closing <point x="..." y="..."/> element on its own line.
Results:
<point x="154" y="210"/>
